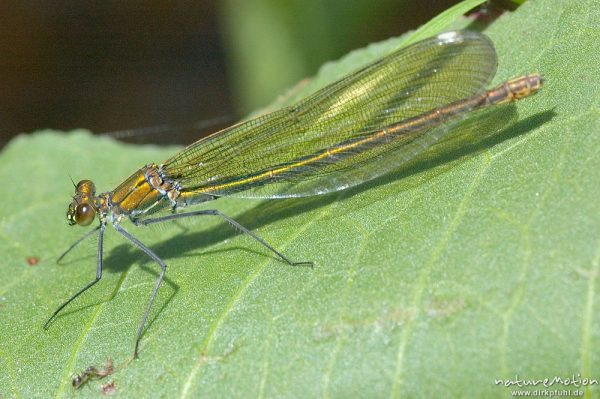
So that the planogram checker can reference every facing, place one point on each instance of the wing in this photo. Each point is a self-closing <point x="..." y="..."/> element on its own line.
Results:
<point x="292" y="151"/>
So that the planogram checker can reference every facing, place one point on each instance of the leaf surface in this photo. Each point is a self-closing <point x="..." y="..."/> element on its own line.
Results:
<point x="432" y="282"/>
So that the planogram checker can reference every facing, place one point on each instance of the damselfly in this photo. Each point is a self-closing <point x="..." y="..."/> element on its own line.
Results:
<point x="358" y="128"/>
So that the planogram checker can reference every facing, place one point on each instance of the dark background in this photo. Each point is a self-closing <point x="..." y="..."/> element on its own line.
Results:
<point x="109" y="66"/>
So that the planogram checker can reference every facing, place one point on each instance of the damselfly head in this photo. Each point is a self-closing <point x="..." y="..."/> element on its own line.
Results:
<point x="82" y="209"/>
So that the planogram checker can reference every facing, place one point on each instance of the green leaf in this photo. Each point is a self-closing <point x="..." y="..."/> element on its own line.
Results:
<point x="299" y="34"/>
<point x="433" y="282"/>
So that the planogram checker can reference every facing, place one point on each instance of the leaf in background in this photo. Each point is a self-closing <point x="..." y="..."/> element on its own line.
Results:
<point x="271" y="44"/>
<point x="432" y="282"/>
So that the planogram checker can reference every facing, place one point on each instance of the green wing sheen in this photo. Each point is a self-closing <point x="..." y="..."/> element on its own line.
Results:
<point x="240" y="160"/>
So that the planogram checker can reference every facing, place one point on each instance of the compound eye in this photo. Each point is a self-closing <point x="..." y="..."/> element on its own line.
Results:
<point x="86" y="187"/>
<point x="84" y="214"/>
